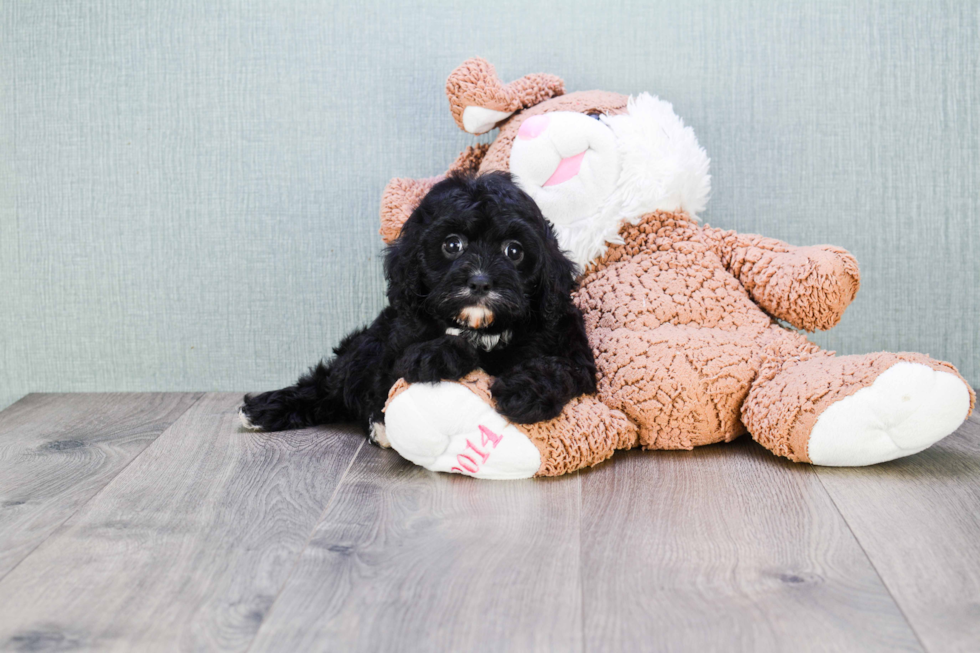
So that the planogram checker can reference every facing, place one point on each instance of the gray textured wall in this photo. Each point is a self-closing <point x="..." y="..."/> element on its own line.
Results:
<point x="188" y="193"/>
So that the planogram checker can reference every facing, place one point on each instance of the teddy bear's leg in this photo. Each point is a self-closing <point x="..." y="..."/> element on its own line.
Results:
<point x="452" y="427"/>
<point x="854" y="410"/>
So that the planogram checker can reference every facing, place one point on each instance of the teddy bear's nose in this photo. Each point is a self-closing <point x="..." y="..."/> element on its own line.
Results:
<point x="532" y="127"/>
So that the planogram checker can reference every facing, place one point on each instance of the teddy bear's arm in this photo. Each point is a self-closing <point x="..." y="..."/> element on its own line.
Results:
<point x="809" y="287"/>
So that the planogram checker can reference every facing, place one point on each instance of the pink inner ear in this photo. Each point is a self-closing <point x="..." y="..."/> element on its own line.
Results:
<point x="567" y="169"/>
<point x="532" y="127"/>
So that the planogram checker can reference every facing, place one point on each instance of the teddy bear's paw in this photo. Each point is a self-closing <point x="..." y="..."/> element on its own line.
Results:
<point x="445" y="427"/>
<point x="908" y="408"/>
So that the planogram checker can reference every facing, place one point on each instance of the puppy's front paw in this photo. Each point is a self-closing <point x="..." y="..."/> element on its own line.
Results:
<point x="443" y="359"/>
<point x="533" y="392"/>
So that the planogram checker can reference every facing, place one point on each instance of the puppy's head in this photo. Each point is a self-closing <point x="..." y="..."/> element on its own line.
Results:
<point x="478" y="254"/>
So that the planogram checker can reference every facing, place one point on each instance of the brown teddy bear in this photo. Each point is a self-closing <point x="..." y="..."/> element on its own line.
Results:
<point x="682" y="318"/>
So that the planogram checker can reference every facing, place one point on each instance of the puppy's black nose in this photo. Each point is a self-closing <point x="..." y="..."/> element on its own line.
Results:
<point x="480" y="284"/>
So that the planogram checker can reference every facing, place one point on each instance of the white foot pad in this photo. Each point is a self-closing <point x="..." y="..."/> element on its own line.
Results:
<point x="908" y="408"/>
<point x="444" y="427"/>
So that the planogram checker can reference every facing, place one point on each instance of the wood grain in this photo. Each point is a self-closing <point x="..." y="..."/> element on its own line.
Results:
<point x="213" y="538"/>
<point x="187" y="547"/>
<point x="725" y="548"/>
<point x="918" y="519"/>
<point x="57" y="451"/>
<point x="409" y="560"/>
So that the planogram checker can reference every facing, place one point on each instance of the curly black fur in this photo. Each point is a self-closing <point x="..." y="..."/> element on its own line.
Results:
<point x="543" y="358"/>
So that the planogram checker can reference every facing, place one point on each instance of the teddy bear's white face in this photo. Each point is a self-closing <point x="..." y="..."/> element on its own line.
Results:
<point x="568" y="162"/>
<point x="590" y="174"/>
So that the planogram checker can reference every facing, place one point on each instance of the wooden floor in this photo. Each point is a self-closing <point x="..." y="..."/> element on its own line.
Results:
<point x="145" y="522"/>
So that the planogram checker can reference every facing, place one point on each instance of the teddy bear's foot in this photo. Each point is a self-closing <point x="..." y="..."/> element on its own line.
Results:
<point x="445" y="427"/>
<point x="812" y="406"/>
<point x="908" y="408"/>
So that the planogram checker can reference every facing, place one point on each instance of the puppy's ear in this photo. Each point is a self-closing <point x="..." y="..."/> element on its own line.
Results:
<point x="557" y="281"/>
<point x="557" y="274"/>
<point x="403" y="269"/>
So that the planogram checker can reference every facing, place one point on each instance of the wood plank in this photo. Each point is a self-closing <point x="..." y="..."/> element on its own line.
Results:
<point x="187" y="547"/>
<point x="918" y="519"/>
<point x="57" y="451"/>
<point x="410" y="560"/>
<point x="725" y="548"/>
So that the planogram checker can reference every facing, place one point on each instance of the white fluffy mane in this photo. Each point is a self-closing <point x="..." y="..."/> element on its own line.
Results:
<point x="662" y="167"/>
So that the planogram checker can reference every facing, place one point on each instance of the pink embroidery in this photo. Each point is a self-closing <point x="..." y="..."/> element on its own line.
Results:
<point x="473" y="447"/>
<point x="490" y="436"/>
<point x="472" y="468"/>
<point x="466" y="462"/>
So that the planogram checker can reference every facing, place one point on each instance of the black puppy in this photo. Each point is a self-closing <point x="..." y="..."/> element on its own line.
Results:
<point x="475" y="280"/>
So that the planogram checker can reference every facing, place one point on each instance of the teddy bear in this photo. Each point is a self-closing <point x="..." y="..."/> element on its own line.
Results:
<point x="697" y="332"/>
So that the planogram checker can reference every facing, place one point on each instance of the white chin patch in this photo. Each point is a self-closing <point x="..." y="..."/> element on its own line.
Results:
<point x="908" y="408"/>
<point x="475" y="317"/>
<point x="444" y="427"/>
<point x="477" y="120"/>
<point x="484" y="341"/>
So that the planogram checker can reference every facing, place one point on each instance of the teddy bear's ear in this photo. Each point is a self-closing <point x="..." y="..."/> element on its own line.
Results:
<point x="478" y="100"/>
<point x="399" y="199"/>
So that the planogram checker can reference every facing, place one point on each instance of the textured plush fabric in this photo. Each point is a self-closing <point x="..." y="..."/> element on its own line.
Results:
<point x="189" y="190"/>
<point x="686" y="353"/>
<point x="794" y="387"/>
<point x="398" y="200"/>
<point x="814" y="284"/>
<point x="477" y="84"/>
<point x="682" y="319"/>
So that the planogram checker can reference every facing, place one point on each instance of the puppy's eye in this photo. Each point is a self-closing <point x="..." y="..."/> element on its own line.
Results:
<point x="513" y="250"/>
<point x="453" y="246"/>
<point x="594" y="114"/>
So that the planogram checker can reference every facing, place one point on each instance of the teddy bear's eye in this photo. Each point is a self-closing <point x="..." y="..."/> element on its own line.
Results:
<point x="453" y="246"/>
